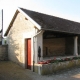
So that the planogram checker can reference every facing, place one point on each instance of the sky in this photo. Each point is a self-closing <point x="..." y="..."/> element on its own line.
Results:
<point x="68" y="9"/>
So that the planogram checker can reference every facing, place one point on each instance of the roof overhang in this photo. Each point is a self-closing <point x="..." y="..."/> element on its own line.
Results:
<point x="58" y="31"/>
<point x="49" y="34"/>
<point x="47" y="22"/>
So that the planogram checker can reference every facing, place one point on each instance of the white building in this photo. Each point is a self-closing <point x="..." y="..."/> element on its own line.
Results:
<point x="33" y="37"/>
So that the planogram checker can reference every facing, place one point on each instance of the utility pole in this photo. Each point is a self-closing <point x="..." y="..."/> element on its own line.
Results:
<point x="2" y="24"/>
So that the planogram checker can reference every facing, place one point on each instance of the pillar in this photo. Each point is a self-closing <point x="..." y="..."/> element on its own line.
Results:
<point x="76" y="46"/>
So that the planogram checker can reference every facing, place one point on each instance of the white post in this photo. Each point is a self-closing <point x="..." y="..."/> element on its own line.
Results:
<point x="76" y="45"/>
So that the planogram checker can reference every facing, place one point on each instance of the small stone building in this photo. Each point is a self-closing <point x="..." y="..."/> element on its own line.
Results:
<point x="33" y="37"/>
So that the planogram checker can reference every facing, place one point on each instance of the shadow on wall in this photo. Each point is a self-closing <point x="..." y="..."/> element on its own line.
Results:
<point x="15" y="50"/>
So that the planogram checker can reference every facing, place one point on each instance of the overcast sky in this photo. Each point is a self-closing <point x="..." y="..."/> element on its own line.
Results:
<point x="68" y="9"/>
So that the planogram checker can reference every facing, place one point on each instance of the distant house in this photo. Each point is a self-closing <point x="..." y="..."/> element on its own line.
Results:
<point x="33" y="37"/>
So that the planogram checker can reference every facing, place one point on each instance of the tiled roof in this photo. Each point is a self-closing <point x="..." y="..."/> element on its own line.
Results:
<point x="48" y="22"/>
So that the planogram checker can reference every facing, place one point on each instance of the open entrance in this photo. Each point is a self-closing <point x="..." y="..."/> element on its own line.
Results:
<point x="58" y="44"/>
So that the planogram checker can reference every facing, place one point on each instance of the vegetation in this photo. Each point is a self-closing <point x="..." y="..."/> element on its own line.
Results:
<point x="56" y="60"/>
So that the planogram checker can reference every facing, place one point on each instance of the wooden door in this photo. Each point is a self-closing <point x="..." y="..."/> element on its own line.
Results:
<point x="28" y="53"/>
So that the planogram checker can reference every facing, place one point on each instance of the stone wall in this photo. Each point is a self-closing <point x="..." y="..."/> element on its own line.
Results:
<point x="20" y="30"/>
<point x="51" y="68"/>
<point x="3" y="52"/>
<point x="54" y="47"/>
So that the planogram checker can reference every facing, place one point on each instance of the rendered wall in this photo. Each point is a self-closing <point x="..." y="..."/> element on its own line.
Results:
<point x="38" y="43"/>
<point x="20" y="30"/>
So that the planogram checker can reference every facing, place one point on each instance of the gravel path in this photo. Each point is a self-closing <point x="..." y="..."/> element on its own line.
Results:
<point x="12" y="71"/>
<point x="73" y="74"/>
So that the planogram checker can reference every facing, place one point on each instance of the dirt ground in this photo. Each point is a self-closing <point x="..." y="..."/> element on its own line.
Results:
<point x="11" y="71"/>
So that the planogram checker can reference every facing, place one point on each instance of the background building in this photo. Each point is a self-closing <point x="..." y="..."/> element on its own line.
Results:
<point x="1" y="25"/>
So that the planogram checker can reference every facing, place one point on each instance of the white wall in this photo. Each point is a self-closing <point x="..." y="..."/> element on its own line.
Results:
<point x="38" y="42"/>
